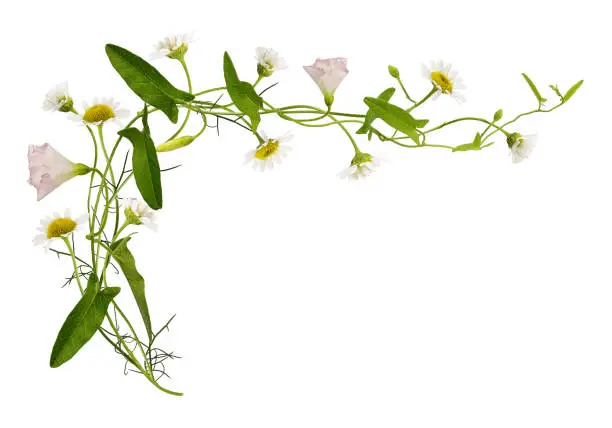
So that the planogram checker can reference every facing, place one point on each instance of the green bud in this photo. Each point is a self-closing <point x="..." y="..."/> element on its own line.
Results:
<point x="81" y="169"/>
<point x="174" y="144"/>
<point x="329" y="99"/>
<point x="179" y="53"/>
<point x="360" y="158"/>
<point x="513" y="138"/>
<point x="498" y="115"/>
<point x="67" y="106"/>
<point x="264" y="71"/>
<point x="394" y="72"/>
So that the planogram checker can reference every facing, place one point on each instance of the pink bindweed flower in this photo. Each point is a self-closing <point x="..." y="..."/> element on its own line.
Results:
<point x="328" y="74"/>
<point x="49" y="169"/>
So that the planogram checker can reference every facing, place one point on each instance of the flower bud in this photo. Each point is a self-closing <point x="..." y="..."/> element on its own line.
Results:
<point x="394" y="72"/>
<point x="498" y="115"/>
<point x="175" y="144"/>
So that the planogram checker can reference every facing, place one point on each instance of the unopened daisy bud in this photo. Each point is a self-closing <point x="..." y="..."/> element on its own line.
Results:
<point x="138" y="213"/>
<point x="362" y="165"/>
<point x="175" y="143"/>
<point x="520" y="146"/>
<point x="58" y="99"/>
<point x="268" y="61"/>
<point x="394" y="72"/>
<point x="498" y="115"/>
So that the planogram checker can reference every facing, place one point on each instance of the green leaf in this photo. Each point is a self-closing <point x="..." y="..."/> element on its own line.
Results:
<point x="242" y="93"/>
<point x="534" y="89"/>
<point x="82" y="322"/>
<point x="370" y="115"/>
<point x="145" y="164"/>
<point x="148" y="83"/>
<point x="556" y="90"/>
<point x="396" y="117"/>
<point x="474" y="145"/>
<point x="125" y="259"/>
<point x="570" y="93"/>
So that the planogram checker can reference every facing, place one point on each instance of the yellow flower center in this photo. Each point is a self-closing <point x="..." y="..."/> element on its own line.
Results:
<point x="442" y="81"/>
<point x="60" y="227"/>
<point x="98" y="113"/>
<point x="267" y="150"/>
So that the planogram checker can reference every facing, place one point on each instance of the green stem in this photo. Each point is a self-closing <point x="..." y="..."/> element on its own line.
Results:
<point x="425" y="98"/>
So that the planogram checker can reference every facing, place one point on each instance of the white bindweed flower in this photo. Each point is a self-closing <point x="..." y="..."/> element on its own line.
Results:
<point x="445" y="79"/>
<point x="270" y="152"/>
<point x="138" y="212"/>
<point x="100" y="111"/>
<point x="268" y="61"/>
<point x="521" y="146"/>
<point x="328" y="74"/>
<point x="49" y="169"/>
<point x="58" y="99"/>
<point x="57" y="227"/>
<point x="362" y="165"/>
<point x="174" y="46"/>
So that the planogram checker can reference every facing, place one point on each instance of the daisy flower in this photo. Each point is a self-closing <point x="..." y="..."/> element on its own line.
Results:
<point x="138" y="212"/>
<point x="57" y="227"/>
<point x="101" y="110"/>
<point x="271" y="151"/>
<point x="58" y="99"/>
<point x="362" y="165"/>
<point x="521" y="146"/>
<point x="268" y="61"/>
<point x="445" y="79"/>
<point x="174" y="46"/>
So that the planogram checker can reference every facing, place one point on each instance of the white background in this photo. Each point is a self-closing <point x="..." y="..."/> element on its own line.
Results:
<point x="447" y="290"/>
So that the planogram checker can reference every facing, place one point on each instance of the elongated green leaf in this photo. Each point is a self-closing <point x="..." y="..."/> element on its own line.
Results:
<point x="370" y="115"/>
<point x="534" y="89"/>
<point x="148" y="83"/>
<point x="125" y="259"/>
<point x="242" y="93"/>
<point x="82" y="322"/>
<point x="570" y="93"/>
<point x="145" y="165"/>
<point x="474" y="145"/>
<point x="396" y="117"/>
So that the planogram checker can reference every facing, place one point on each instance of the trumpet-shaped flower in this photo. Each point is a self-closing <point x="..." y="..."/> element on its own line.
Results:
<point x="445" y="79"/>
<point x="58" y="99"/>
<point x="521" y="146"/>
<point x="328" y="74"/>
<point x="268" y="61"/>
<point x="269" y="153"/>
<point x="57" y="227"/>
<point x="174" y="46"/>
<point x="49" y="169"/>
<point x="362" y="165"/>
<point x="100" y="111"/>
<point x="138" y="212"/>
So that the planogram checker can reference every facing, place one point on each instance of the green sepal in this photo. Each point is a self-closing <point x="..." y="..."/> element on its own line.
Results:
<point x="82" y="322"/>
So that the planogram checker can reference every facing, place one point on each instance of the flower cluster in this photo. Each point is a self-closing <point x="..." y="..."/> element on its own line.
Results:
<point x="113" y="219"/>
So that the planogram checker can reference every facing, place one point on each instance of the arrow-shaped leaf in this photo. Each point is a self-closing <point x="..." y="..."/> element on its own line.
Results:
<point x="396" y="117"/>
<point x="242" y="93"/>
<point x="370" y="115"/>
<point x="148" y="83"/>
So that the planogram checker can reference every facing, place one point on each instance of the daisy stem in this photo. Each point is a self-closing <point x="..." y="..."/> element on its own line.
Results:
<point x="178" y="132"/>
<point x="425" y="98"/>
<point x="112" y="175"/>
<point x="461" y="119"/>
<point x="74" y="262"/>
<point x="91" y="180"/>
